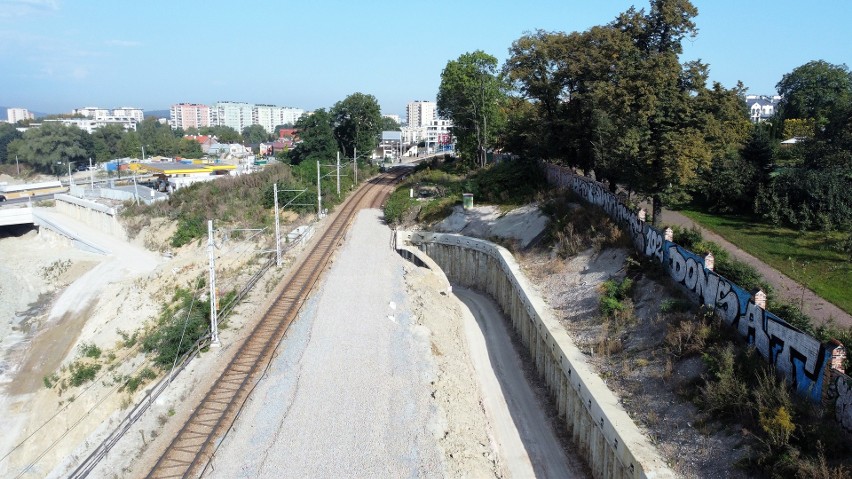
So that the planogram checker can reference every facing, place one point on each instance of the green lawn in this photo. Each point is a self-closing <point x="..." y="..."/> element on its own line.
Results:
<point x="807" y="257"/>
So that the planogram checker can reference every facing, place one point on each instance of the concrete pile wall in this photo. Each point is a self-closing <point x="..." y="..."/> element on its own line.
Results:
<point x="602" y="431"/>
<point x="804" y="360"/>
<point x="96" y="215"/>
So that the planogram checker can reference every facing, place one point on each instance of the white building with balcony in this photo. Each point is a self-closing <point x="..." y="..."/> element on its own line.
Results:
<point x="421" y="112"/>
<point x="270" y="116"/>
<point x="89" y="125"/>
<point x="236" y="115"/>
<point x="762" y="107"/>
<point x="15" y="115"/>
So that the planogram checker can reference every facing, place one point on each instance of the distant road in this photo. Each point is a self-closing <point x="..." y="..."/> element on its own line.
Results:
<point x="18" y="201"/>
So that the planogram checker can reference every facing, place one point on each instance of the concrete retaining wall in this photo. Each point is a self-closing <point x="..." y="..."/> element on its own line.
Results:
<point x="602" y="431"/>
<point x="801" y="358"/>
<point x="98" y="216"/>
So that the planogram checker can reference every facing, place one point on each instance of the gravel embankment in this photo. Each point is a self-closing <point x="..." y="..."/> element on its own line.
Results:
<point x="349" y="393"/>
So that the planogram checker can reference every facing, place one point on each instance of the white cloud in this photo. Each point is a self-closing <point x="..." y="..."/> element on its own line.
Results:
<point x="19" y="8"/>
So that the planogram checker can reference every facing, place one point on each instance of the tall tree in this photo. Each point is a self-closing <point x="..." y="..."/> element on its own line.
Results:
<point x="815" y="90"/>
<point x="225" y="134"/>
<point x="357" y="121"/>
<point x="255" y="134"/>
<point x="189" y="148"/>
<point x="317" y="138"/>
<point x="471" y="95"/>
<point x="8" y="133"/>
<point x="106" y="141"/>
<point x="157" y="138"/>
<point x="50" y="147"/>
<point x="389" y="124"/>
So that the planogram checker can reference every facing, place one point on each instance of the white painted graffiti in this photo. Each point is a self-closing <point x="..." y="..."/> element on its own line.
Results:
<point x="799" y="356"/>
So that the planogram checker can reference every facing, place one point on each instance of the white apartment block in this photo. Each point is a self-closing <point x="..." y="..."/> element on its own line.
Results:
<point x="89" y="125"/>
<point x="421" y="112"/>
<point x="413" y="134"/>
<point x="15" y="115"/>
<point x="129" y="112"/>
<point x="439" y="135"/>
<point x="270" y="116"/>
<point x="91" y="112"/>
<point x="237" y="115"/>
<point x="189" y="115"/>
<point x="117" y="115"/>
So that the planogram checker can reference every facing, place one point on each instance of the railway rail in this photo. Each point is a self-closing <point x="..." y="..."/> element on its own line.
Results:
<point x="190" y="452"/>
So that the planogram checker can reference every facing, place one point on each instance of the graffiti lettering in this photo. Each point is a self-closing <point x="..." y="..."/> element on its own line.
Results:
<point x="799" y="356"/>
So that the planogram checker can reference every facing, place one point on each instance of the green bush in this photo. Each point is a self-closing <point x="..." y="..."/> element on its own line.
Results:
<point x="178" y="328"/>
<point x="398" y="205"/>
<point x="83" y="373"/>
<point x="189" y="228"/>
<point x="614" y="297"/>
<point x="687" y="237"/>
<point x="90" y="350"/>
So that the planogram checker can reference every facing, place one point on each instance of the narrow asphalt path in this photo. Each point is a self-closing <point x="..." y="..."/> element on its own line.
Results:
<point x="820" y="310"/>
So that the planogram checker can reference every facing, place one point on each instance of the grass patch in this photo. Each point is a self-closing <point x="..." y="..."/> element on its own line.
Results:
<point x="809" y="257"/>
<point x="506" y="184"/>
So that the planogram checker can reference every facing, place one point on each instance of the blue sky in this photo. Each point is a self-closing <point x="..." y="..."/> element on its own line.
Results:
<point x="56" y="55"/>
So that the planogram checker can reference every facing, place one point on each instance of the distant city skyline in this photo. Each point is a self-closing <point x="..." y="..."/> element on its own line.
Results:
<point x="58" y="55"/>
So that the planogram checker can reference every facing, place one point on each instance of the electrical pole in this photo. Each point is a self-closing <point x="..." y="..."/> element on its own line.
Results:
<point x="338" y="174"/>
<point x="91" y="174"/>
<point x="355" y="160"/>
<point x="277" y="227"/>
<point x="214" y="323"/>
<point x="319" y="192"/>
<point x="18" y="165"/>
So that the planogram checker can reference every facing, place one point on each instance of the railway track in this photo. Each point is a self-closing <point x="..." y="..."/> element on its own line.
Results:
<point x="193" y="447"/>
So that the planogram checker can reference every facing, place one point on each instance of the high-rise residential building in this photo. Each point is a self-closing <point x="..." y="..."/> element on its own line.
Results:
<point x="237" y="115"/>
<point x="15" y="115"/>
<point x="189" y="115"/>
<point x="270" y="116"/>
<point x="421" y="113"/>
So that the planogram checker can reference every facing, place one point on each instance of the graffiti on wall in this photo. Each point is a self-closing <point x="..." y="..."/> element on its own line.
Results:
<point x="799" y="356"/>
<point x="842" y="391"/>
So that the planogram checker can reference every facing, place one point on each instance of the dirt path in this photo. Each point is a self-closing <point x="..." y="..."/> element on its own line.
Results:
<point x="526" y="442"/>
<point x="820" y="310"/>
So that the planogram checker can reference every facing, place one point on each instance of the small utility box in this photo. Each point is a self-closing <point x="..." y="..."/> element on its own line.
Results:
<point x="467" y="200"/>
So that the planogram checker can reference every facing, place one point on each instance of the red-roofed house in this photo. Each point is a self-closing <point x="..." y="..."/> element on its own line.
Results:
<point x="206" y="141"/>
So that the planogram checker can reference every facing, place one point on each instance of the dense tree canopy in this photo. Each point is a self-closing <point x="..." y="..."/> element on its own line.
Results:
<point x="617" y="99"/>
<point x="389" y="124"/>
<point x="317" y="135"/>
<point x="50" y="147"/>
<point x="107" y="142"/>
<point x="357" y="121"/>
<point x="225" y="134"/>
<point x="472" y="95"/>
<point x="815" y="90"/>
<point x="8" y="133"/>
<point x="255" y="134"/>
